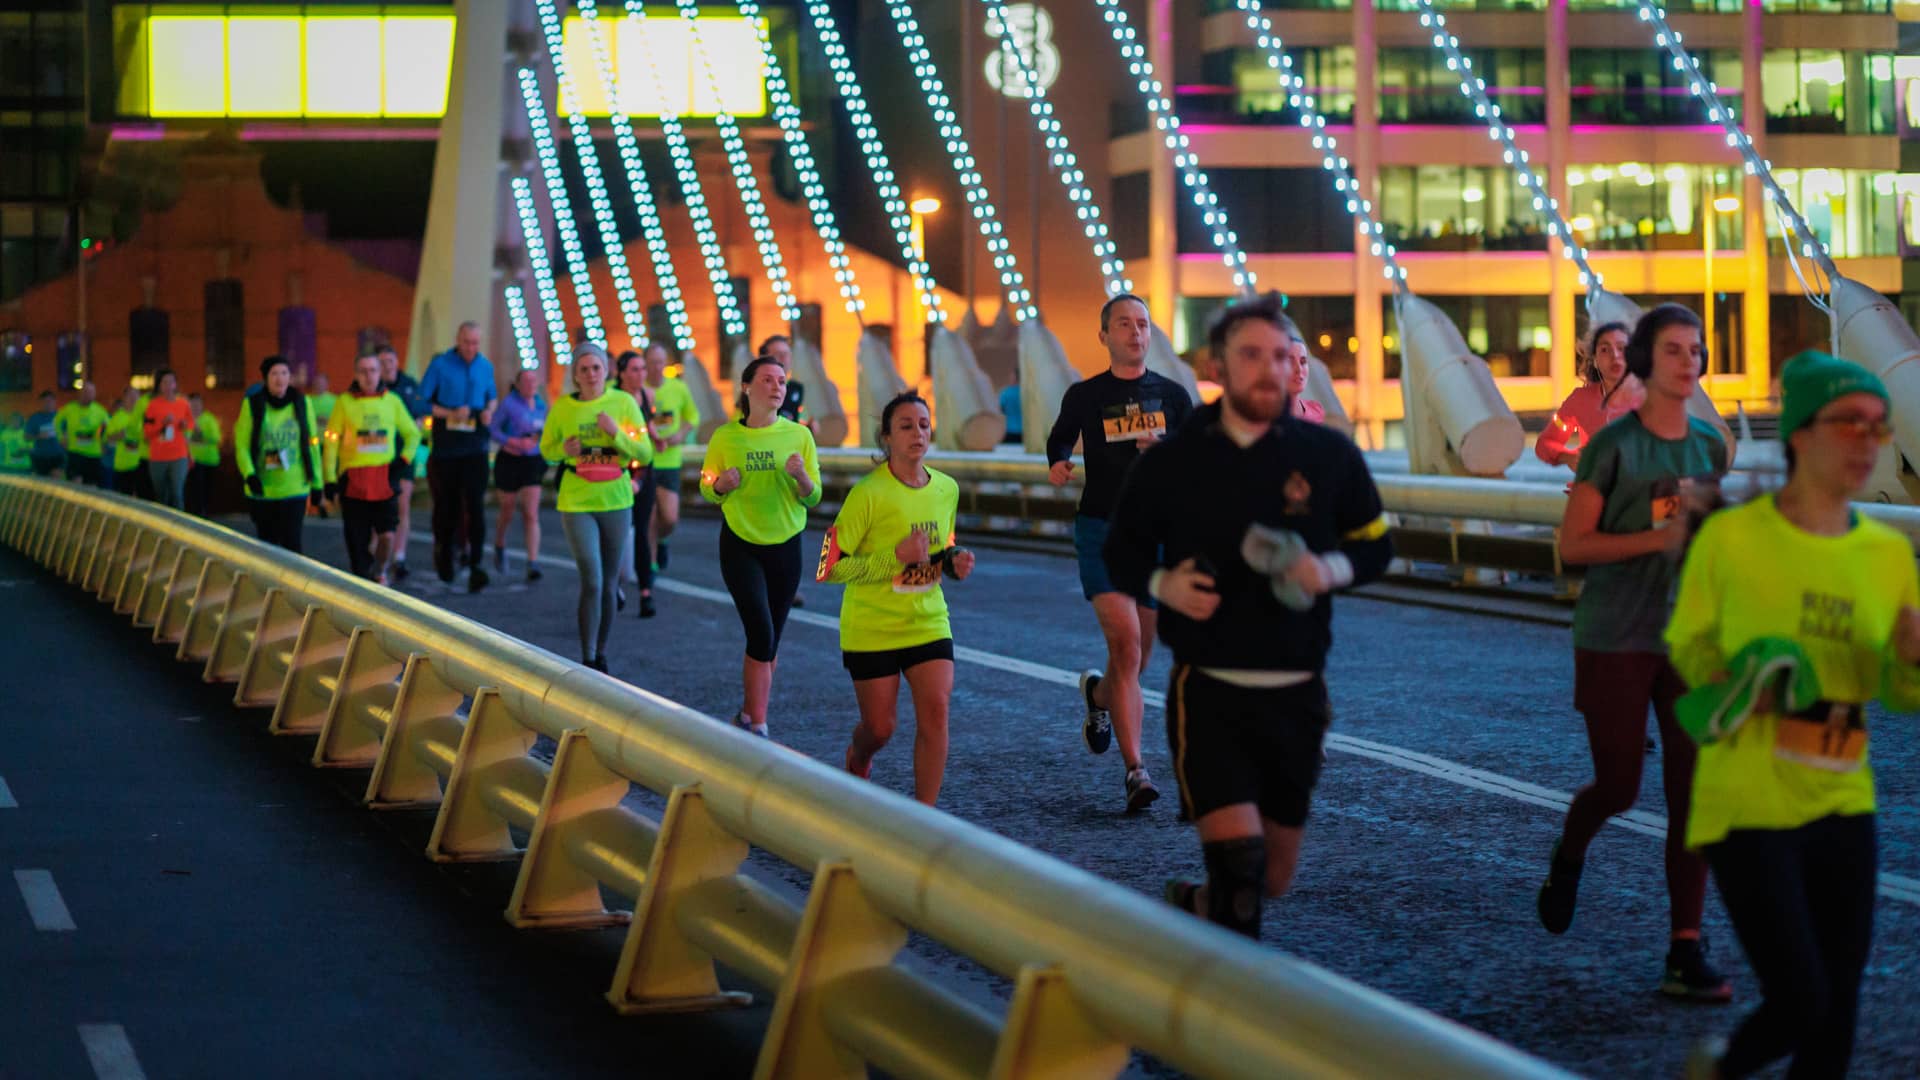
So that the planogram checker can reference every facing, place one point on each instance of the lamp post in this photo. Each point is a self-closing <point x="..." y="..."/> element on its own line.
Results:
<point x="921" y="207"/>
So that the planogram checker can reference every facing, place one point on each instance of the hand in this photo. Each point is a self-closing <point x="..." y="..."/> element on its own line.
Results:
<point x="1906" y="636"/>
<point x="1673" y="535"/>
<point x="1059" y="473"/>
<point x="913" y="550"/>
<point x="333" y="491"/>
<point x="796" y="466"/>
<point x="1311" y="572"/>
<point x="1188" y="591"/>
<point x="255" y="488"/>
<point x="962" y="564"/>
<point x="486" y="414"/>
<point x="726" y="482"/>
<point x="523" y="444"/>
<point x="608" y="424"/>
<point x="572" y="446"/>
<point x="318" y="497"/>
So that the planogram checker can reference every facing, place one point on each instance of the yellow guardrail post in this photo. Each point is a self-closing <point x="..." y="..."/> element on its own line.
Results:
<point x="1098" y="970"/>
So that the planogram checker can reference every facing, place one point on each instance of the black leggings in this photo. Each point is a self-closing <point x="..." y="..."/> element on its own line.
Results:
<point x="280" y="522"/>
<point x="762" y="579"/>
<point x="1801" y="902"/>
<point x="459" y="486"/>
<point x="643" y="501"/>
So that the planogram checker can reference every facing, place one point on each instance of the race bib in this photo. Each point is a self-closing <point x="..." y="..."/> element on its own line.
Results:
<point x="166" y="433"/>
<point x="273" y="460"/>
<point x="1143" y="421"/>
<point x="373" y="442"/>
<point x="469" y="424"/>
<point x="595" y="466"/>
<point x="917" y="578"/>
<point x="1839" y="744"/>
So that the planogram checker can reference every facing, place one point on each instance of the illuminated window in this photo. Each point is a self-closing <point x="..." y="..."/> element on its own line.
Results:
<point x="663" y="40"/>
<point x="1852" y="211"/>
<point x="149" y="342"/>
<point x="263" y="66"/>
<point x="1458" y="208"/>
<point x="69" y="366"/>
<point x="337" y="84"/>
<point x="1638" y="206"/>
<point x="16" y="361"/>
<point x="417" y="60"/>
<point x="1827" y="92"/>
<point x="181" y="80"/>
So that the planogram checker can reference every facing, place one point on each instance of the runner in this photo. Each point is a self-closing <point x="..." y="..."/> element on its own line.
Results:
<point x="594" y="432"/>
<point x="165" y="425"/>
<point x="321" y="394"/>
<point x="636" y="563"/>
<point x="407" y="389"/>
<point x="276" y="448"/>
<point x="1605" y="396"/>
<point x="779" y="347"/>
<point x="676" y="419"/>
<point x="81" y="424"/>
<point x="761" y="471"/>
<point x="16" y="457"/>
<point x="1626" y="521"/>
<point x="124" y="435"/>
<point x="203" y="449"/>
<point x="459" y="387"/>
<point x="1116" y="415"/>
<point x="1783" y="796"/>
<point x="363" y="466"/>
<point x="890" y="545"/>
<point x="518" y="468"/>
<point x="1243" y="570"/>
<point x="43" y="433"/>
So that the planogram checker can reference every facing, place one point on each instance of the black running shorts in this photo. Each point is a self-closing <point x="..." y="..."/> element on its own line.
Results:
<point x="1232" y="744"/>
<point x="511" y="472"/>
<point x="879" y="665"/>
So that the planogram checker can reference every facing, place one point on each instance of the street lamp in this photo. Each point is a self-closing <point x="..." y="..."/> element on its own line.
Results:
<point x="922" y="205"/>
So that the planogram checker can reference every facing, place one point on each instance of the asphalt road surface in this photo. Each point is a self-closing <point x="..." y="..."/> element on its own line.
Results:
<point x="1454" y="749"/>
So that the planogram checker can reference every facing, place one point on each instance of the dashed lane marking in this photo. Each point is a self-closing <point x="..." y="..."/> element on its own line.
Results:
<point x="110" y="1052"/>
<point x="44" y="905"/>
<point x="6" y="796"/>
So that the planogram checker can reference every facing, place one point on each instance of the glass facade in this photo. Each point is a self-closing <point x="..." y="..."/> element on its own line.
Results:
<point x="1639" y="87"/>
<point x="1458" y="208"/>
<point x="1417" y="88"/>
<point x="1637" y="206"/>
<point x="1827" y="92"/>
<point x="1853" y="211"/>
<point x="42" y="125"/>
<point x="1242" y="88"/>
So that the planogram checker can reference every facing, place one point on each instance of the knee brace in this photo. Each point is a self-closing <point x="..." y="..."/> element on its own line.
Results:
<point x="1236" y="879"/>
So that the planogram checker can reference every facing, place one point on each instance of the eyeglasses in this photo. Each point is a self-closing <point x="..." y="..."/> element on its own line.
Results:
<point x="1860" y="427"/>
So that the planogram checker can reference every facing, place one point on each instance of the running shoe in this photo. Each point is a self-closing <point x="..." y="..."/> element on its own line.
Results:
<point x="619" y="598"/>
<point x="398" y="571"/>
<point x="1097" y="730"/>
<point x="865" y="773"/>
<point x="599" y="664"/>
<point x="745" y="723"/>
<point x="1690" y="976"/>
<point x="660" y="552"/>
<point x="500" y="560"/>
<point x="1140" y="789"/>
<point x="534" y="574"/>
<point x="1704" y="1062"/>
<point x="1558" y="893"/>
<point x="477" y="579"/>
<point x="1181" y="893"/>
<point x="646" y="605"/>
<point x="799" y="601"/>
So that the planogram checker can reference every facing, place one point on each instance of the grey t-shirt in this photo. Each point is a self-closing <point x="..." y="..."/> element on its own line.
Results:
<point x="1645" y="481"/>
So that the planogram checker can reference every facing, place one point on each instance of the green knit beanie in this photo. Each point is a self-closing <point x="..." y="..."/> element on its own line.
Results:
<point x="1812" y="379"/>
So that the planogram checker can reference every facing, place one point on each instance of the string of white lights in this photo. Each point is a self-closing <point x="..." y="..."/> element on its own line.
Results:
<point x="788" y="116"/>
<point x="628" y="146"/>
<point x="1708" y="93"/>
<point x="884" y="179"/>
<point x="1065" y="164"/>
<point x="1304" y="105"/>
<point x="522" y="328"/>
<point x="556" y="182"/>
<point x="581" y="132"/>
<point x="682" y="154"/>
<point x="536" y="245"/>
<point x="1474" y="88"/>
<point x="979" y="201"/>
<point x="743" y="176"/>
<point x="1184" y="158"/>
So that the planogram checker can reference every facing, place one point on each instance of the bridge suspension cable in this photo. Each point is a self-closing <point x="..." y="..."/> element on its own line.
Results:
<point x="562" y="203"/>
<point x="550" y="311"/>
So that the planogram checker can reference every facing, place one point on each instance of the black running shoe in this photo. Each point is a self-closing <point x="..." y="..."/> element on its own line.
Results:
<point x="534" y="574"/>
<point x="1690" y="977"/>
<point x="1558" y="893"/>
<point x="1140" y="790"/>
<point x="799" y="601"/>
<point x="1097" y="729"/>
<point x="660" y="555"/>
<point x="598" y="663"/>
<point x="397" y="573"/>
<point x="1181" y="893"/>
<point x="477" y="579"/>
<point x="620" y="598"/>
<point x="646" y="605"/>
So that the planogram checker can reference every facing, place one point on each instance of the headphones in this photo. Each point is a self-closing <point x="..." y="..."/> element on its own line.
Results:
<point x="1640" y="343"/>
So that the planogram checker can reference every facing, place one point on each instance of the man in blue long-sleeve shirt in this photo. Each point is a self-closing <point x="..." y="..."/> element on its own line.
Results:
<point x="458" y="386"/>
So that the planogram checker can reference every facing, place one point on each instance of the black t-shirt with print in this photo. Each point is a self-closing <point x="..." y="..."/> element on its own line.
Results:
<point x="1114" y="418"/>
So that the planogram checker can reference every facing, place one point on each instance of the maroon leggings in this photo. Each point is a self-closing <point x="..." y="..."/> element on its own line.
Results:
<point x="1613" y="690"/>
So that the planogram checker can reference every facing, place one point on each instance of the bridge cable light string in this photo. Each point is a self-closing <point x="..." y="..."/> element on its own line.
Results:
<point x="965" y="167"/>
<point x="667" y="281"/>
<point x="562" y="203"/>
<point x="688" y="174"/>
<point x="828" y="28"/>
<point x="1474" y="88"/>
<point x="522" y="328"/>
<point x="1066" y="165"/>
<point x="1168" y="122"/>
<point x="744" y="179"/>
<point x="1793" y="226"/>
<point x="536" y="245"/>
<point x="815" y="192"/>
<point x="1344" y="182"/>
<point x="581" y="134"/>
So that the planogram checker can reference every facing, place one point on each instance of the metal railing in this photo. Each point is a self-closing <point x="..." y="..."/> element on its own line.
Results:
<point x="444" y="711"/>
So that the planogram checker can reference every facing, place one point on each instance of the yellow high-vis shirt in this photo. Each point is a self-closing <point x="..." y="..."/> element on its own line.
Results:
<point x="125" y="432"/>
<point x="366" y="430"/>
<point x="1752" y="574"/>
<point x="673" y="413"/>
<point x="596" y="479"/>
<point x="767" y="508"/>
<point x="81" y="427"/>
<point x="888" y="605"/>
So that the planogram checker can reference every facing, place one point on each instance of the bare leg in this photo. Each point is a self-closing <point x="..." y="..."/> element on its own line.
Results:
<point x="879" y="715"/>
<point x="382" y="551"/>
<point x="406" y="519"/>
<point x="528" y="499"/>
<point x="1243" y="820"/>
<point x="932" y="686"/>
<point x="757" y="678"/>
<point x="1119" y="688"/>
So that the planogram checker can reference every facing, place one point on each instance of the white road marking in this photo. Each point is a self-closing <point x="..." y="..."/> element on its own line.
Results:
<point x="6" y="796"/>
<point x="44" y="905"/>
<point x="110" y="1052"/>
<point x="1892" y="886"/>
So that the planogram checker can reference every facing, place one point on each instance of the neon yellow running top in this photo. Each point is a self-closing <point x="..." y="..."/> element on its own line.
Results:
<point x="767" y="507"/>
<point x="597" y="478"/>
<point x="888" y="605"/>
<point x="673" y="413"/>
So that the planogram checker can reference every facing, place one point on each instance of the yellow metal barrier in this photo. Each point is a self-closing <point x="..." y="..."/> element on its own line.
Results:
<point x="444" y="711"/>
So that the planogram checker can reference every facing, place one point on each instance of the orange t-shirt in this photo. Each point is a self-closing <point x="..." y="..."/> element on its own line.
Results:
<point x="167" y="424"/>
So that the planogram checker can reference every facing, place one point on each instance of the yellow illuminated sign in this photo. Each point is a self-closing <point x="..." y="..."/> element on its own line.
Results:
<point x="397" y="64"/>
